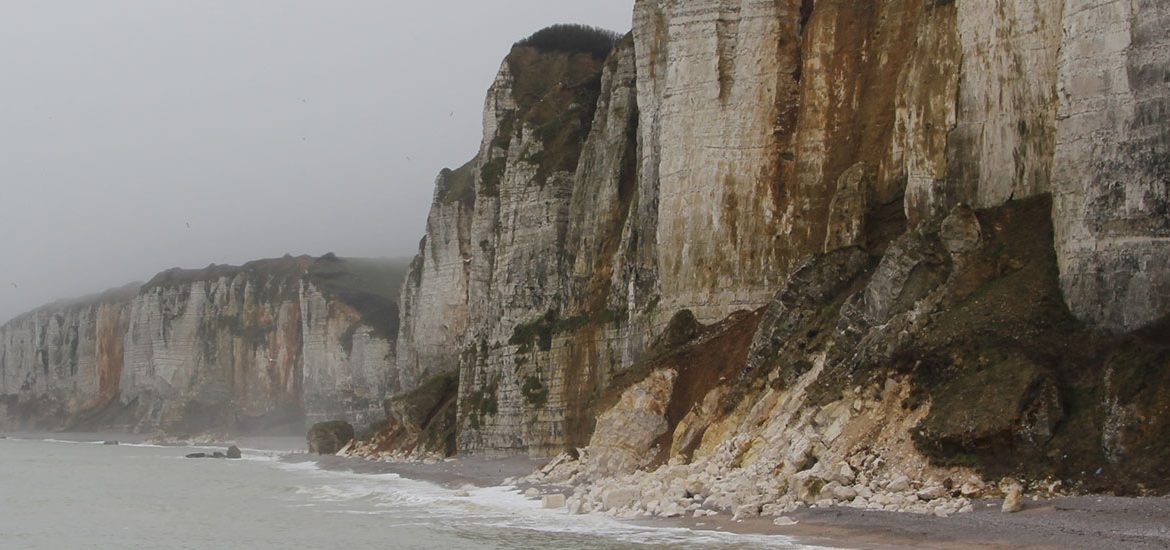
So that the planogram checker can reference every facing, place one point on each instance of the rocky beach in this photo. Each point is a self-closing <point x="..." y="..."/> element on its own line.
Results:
<point x="1042" y="522"/>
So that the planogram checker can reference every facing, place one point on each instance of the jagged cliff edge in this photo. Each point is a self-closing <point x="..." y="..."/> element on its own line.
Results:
<point x="768" y="253"/>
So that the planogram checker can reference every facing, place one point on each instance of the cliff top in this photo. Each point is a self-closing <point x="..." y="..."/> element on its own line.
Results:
<point x="457" y="185"/>
<point x="368" y="285"/>
<point x="379" y="276"/>
<point x="571" y="39"/>
<point x="122" y="293"/>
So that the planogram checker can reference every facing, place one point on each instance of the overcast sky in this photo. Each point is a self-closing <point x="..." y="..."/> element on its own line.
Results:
<point x="268" y="126"/>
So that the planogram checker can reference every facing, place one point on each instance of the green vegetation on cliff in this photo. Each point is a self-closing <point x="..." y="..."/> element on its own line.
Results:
<point x="568" y="38"/>
<point x="457" y="185"/>
<point x="369" y="285"/>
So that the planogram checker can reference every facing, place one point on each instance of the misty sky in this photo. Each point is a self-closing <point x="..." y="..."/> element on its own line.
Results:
<point x="269" y="126"/>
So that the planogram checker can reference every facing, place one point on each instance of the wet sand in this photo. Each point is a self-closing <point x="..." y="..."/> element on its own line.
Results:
<point x="453" y="474"/>
<point x="1083" y="522"/>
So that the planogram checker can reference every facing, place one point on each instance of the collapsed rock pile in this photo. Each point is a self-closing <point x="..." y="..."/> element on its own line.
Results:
<point x="767" y="459"/>
<point x="706" y="487"/>
<point x="371" y="451"/>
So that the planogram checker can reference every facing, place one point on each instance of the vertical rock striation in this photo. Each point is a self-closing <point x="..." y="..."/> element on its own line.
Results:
<point x="720" y="168"/>
<point x="726" y="143"/>
<point x="542" y="106"/>
<point x="434" y="300"/>
<point x="63" y="362"/>
<point x="1112" y="169"/>
<point x="800" y="244"/>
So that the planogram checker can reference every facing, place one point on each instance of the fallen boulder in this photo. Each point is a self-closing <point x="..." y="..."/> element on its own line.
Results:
<point x="554" y="500"/>
<point x="1014" y="499"/>
<point x="326" y="438"/>
<point x="234" y="452"/>
<point x="619" y="497"/>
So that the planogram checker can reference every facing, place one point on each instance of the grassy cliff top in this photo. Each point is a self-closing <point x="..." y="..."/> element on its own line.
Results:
<point x="573" y="39"/>
<point x="457" y="185"/>
<point x="381" y="277"/>
<point x="377" y="276"/>
<point x="368" y="285"/>
<point x="111" y="296"/>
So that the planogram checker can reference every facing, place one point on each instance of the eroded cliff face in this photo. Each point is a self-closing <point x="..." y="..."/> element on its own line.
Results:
<point x="722" y="171"/>
<point x="260" y="348"/>
<point x="63" y="362"/>
<point x="1112" y="174"/>
<point x="434" y="303"/>
<point x="543" y="105"/>
<point x="523" y="268"/>
<point x="949" y="216"/>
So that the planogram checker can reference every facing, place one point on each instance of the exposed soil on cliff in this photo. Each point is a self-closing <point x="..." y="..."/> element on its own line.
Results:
<point x="1020" y="387"/>
<point x="423" y="419"/>
<point x="703" y="356"/>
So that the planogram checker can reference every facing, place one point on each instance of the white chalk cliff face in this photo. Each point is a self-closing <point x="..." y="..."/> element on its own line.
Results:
<point x="718" y="88"/>
<point x="1111" y="182"/>
<point x="64" y="359"/>
<point x="434" y="302"/>
<point x="724" y="249"/>
<point x="256" y="349"/>
<point x="731" y="150"/>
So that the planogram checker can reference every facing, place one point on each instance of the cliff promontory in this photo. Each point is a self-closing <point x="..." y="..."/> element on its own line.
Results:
<point x="263" y="347"/>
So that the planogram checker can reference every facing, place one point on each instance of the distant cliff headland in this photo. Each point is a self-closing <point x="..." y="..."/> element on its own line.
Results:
<point x="880" y="254"/>
<point x="258" y="348"/>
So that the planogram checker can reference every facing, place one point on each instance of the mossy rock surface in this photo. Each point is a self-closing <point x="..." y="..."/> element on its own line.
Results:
<point x="416" y="408"/>
<point x="326" y="438"/>
<point x="371" y="286"/>
<point x="457" y="185"/>
<point x="438" y="434"/>
<point x="1011" y="401"/>
<point x="1019" y="387"/>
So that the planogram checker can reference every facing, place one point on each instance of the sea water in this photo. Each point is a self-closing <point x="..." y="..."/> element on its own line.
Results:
<point x="57" y="494"/>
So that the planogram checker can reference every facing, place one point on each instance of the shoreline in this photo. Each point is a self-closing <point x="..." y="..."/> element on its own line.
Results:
<point x="456" y="473"/>
<point x="1079" y="522"/>
<point x="1087" y="522"/>
<point x="1076" y="522"/>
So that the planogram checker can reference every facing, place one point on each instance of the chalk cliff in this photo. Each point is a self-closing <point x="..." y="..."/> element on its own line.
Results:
<point x="777" y="221"/>
<point x="751" y="256"/>
<point x="264" y="347"/>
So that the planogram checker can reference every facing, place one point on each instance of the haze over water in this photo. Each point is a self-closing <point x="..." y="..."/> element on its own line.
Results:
<point x="60" y="494"/>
